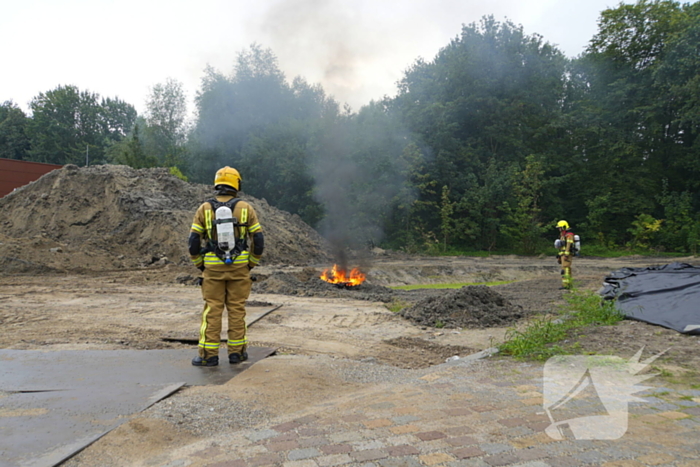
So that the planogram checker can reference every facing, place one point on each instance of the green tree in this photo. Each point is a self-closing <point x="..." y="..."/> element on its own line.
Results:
<point x="130" y="151"/>
<point x="523" y="220"/>
<point x="14" y="142"/>
<point x="67" y="124"/>
<point x="487" y="100"/>
<point x="166" y="113"/>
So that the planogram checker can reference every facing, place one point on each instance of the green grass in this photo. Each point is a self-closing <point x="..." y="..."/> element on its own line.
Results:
<point x="447" y="286"/>
<point x="396" y="306"/>
<point x="538" y="340"/>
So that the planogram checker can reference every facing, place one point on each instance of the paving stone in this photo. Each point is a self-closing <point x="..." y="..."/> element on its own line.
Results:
<point x="560" y="447"/>
<point x="460" y="441"/>
<point x="383" y="405"/>
<point x="457" y="412"/>
<point x="262" y="434"/>
<point x="333" y="460"/>
<point x="401" y="462"/>
<point x="564" y="462"/>
<point x="535" y="464"/>
<point x="367" y="444"/>
<point x="590" y="457"/>
<point x="624" y="463"/>
<point x="495" y="448"/>
<point x="530" y="454"/>
<point x="693" y="411"/>
<point x="305" y="463"/>
<point x="286" y="426"/>
<point x="674" y="415"/>
<point x="684" y="403"/>
<point x="501" y="459"/>
<point x="430" y="435"/>
<point x="482" y="408"/>
<point x="405" y="410"/>
<point x="465" y="453"/>
<point x="489" y="416"/>
<point x="353" y="418"/>
<point x="369" y="455"/>
<point x="209" y="453"/>
<point x="236" y="463"/>
<point x="305" y="453"/>
<point x="404" y="429"/>
<point x="689" y="423"/>
<point x="311" y="442"/>
<point x="659" y="404"/>
<point x="345" y="437"/>
<point x="400" y="440"/>
<point x="435" y="458"/>
<point x="265" y="459"/>
<point x="179" y="463"/>
<point x="404" y="419"/>
<point x="313" y="430"/>
<point x="458" y="430"/>
<point x="617" y="453"/>
<point x="289" y="436"/>
<point x="335" y="448"/>
<point x="512" y="422"/>
<point x="518" y="431"/>
<point x="252" y="451"/>
<point x="527" y="441"/>
<point x="656" y="459"/>
<point x="282" y="446"/>
<point x="379" y="422"/>
<point x="307" y="419"/>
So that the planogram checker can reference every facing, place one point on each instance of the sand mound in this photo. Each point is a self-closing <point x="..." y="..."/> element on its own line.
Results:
<point x="468" y="307"/>
<point x="111" y="217"/>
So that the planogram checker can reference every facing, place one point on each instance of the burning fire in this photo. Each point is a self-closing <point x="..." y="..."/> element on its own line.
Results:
<point x="340" y="277"/>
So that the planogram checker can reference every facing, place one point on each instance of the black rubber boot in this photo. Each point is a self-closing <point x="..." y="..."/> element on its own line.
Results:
<point x="238" y="357"/>
<point x="199" y="361"/>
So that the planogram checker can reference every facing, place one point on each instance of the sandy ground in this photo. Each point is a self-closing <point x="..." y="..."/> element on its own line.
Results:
<point x="148" y="309"/>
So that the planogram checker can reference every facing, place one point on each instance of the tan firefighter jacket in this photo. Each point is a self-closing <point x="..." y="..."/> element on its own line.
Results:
<point x="203" y="225"/>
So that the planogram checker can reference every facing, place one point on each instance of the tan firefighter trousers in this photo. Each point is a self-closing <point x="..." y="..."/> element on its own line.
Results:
<point x="567" y="280"/>
<point x="228" y="289"/>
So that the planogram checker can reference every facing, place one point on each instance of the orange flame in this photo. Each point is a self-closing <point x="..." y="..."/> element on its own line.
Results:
<point x="339" y="276"/>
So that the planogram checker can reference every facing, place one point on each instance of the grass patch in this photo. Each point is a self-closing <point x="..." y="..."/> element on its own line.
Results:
<point x="538" y="340"/>
<point x="396" y="306"/>
<point x="447" y="286"/>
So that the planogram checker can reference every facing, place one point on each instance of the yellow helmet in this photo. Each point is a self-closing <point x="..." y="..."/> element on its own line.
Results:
<point x="228" y="176"/>
<point x="563" y="225"/>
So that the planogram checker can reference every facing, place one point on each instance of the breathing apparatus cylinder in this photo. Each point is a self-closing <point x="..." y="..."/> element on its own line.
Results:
<point x="224" y="232"/>
<point x="577" y="244"/>
<point x="557" y="244"/>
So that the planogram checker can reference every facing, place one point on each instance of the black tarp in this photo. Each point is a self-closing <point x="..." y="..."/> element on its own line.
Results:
<point x="667" y="295"/>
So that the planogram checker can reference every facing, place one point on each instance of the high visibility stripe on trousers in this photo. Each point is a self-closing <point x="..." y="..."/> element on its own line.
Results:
<point x="203" y="333"/>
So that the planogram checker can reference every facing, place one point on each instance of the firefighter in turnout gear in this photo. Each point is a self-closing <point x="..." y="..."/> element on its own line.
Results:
<point x="225" y="243"/>
<point x="566" y="247"/>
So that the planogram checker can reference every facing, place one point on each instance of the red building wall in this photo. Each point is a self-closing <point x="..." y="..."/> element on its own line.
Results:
<point x="14" y="174"/>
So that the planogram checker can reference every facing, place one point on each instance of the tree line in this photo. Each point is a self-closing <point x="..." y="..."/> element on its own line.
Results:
<point x="484" y="147"/>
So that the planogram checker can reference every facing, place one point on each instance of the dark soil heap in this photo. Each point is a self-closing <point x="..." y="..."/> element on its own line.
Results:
<point x="111" y="217"/>
<point x="469" y="307"/>
<point x="307" y="283"/>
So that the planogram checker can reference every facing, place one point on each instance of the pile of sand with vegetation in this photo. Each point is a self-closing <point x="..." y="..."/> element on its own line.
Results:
<point x="112" y="217"/>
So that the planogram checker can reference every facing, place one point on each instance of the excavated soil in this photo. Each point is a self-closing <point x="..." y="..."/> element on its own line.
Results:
<point x="108" y="217"/>
<point x="468" y="307"/>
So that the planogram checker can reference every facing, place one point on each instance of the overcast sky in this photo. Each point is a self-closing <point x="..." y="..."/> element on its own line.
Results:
<point x="356" y="50"/>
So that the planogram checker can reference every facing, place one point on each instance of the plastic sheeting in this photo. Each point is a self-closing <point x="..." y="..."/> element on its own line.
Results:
<point x="667" y="295"/>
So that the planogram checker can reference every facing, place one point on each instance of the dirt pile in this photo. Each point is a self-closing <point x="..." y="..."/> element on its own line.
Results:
<point x="469" y="307"/>
<point x="111" y="217"/>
